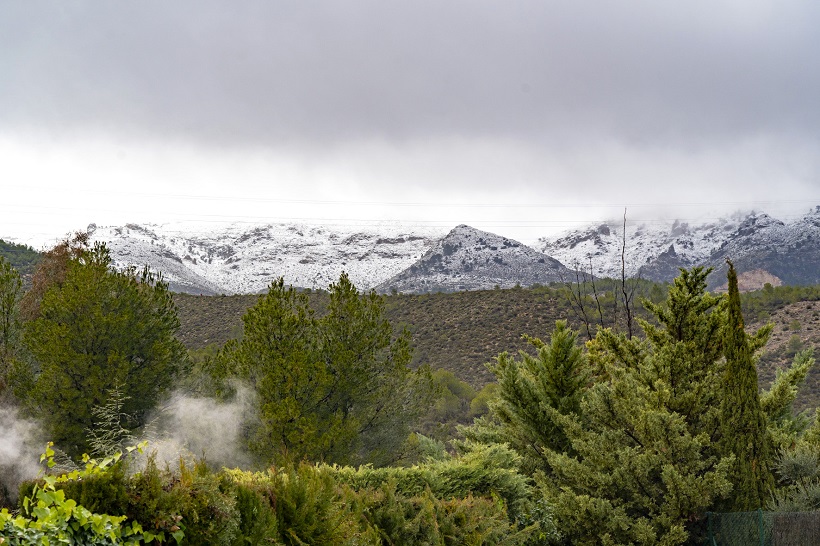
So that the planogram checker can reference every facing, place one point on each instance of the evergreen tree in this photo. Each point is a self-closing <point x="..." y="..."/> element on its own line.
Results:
<point x="744" y="424"/>
<point x="335" y="388"/>
<point x="553" y="378"/>
<point x="642" y="467"/>
<point x="786" y="427"/>
<point x="98" y="329"/>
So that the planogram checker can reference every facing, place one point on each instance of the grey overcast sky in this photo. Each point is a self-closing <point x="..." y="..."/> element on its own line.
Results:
<point x="521" y="117"/>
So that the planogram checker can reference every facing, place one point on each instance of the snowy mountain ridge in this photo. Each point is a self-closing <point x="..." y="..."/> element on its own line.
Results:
<point x="246" y="258"/>
<point x="655" y="251"/>
<point x="243" y="258"/>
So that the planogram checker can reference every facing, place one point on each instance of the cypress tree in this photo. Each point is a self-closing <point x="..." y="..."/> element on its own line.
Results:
<point x="743" y="423"/>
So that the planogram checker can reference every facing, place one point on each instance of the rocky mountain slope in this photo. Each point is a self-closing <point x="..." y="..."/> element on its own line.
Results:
<point x="789" y="252"/>
<point x="470" y="259"/>
<point x="242" y="258"/>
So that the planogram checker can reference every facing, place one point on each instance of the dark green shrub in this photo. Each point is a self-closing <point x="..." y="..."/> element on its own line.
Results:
<point x="193" y="499"/>
<point x="480" y="471"/>
<point x="257" y="518"/>
<point x="308" y="506"/>
<point x="425" y="519"/>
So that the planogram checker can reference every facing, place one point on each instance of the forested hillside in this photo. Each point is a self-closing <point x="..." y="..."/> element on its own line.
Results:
<point x="23" y="258"/>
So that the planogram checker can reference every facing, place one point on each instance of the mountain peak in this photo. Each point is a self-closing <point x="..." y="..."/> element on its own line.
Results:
<point x="471" y="259"/>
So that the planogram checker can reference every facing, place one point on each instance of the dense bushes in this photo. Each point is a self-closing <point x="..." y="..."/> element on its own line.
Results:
<point x="475" y="498"/>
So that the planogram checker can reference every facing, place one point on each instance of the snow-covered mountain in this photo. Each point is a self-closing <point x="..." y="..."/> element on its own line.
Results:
<point x="754" y="240"/>
<point x="789" y="251"/>
<point x="470" y="259"/>
<point x="242" y="258"/>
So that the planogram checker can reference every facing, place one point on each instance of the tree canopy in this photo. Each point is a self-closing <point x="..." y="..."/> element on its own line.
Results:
<point x="640" y="445"/>
<point x="98" y="330"/>
<point x="335" y="388"/>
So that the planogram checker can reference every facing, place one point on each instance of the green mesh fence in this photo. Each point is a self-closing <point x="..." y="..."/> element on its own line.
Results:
<point x="763" y="529"/>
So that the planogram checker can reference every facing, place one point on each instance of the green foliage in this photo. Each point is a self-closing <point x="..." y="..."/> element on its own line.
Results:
<point x="427" y="448"/>
<point x="480" y="405"/>
<point x="419" y="505"/>
<point x="10" y="289"/>
<point x="761" y="303"/>
<point x="163" y="505"/>
<point x="23" y="258"/>
<point x="305" y="505"/>
<point x="108" y="433"/>
<point x="798" y="473"/>
<point x="743" y="422"/>
<point x="307" y="508"/>
<point x="486" y="471"/>
<point x="640" y="464"/>
<point x="685" y="349"/>
<point x="811" y="436"/>
<point x="48" y="514"/>
<point x="476" y="498"/>
<point x="335" y="388"/>
<point x="425" y="519"/>
<point x="96" y="330"/>
<point x="778" y="402"/>
<point x="451" y="408"/>
<point x="531" y="390"/>
<point x="257" y="518"/>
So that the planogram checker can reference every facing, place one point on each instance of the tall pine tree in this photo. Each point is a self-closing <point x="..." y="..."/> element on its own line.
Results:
<point x="743" y="423"/>
<point x="335" y="388"/>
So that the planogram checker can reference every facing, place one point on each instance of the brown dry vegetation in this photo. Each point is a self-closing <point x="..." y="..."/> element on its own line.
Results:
<point x="797" y="327"/>
<point x="459" y="332"/>
<point x="463" y="331"/>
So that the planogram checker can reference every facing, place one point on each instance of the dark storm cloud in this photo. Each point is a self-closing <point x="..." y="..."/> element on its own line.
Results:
<point x="268" y="73"/>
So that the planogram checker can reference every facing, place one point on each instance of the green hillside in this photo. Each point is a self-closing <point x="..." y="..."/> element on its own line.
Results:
<point x="23" y="258"/>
